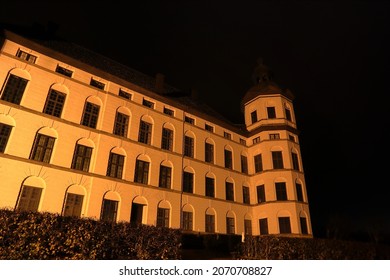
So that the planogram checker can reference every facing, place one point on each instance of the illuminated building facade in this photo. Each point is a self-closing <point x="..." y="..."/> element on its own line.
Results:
<point x="85" y="136"/>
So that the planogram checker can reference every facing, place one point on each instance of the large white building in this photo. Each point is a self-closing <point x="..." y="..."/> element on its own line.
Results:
<point x="83" y="135"/>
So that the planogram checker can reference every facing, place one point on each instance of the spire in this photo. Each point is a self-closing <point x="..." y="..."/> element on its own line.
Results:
<point x="261" y="73"/>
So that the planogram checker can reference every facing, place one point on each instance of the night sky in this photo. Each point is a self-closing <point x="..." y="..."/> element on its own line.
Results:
<point x="332" y="55"/>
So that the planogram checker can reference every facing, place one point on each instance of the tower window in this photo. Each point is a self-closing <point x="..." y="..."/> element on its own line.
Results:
<point x="271" y="112"/>
<point x="254" y="116"/>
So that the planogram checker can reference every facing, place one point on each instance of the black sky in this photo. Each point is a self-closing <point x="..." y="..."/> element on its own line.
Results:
<point x="333" y="56"/>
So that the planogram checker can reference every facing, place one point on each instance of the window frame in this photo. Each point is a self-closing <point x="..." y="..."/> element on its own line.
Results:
<point x="145" y="132"/>
<point x="85" y="157"/>
<point x="141" y="173"/>
<point x="167" y="139"/>
<point x="121" y="124"/>
<point x="5" y="133"/>
<point x="115" y="165"/>
<point x="55" y="103"/>
<point x="42" y="148"/>
<point x="188" y="182"/>
<point x="14" y="89"/>
<point x="165" y="177"/>
<point x="90" y="115"/>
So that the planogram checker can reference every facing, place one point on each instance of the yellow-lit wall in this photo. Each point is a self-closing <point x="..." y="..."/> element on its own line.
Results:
<point x="57" y="178"/>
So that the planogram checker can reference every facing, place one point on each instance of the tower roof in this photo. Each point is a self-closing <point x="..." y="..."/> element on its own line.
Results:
<point x="264" y="85"/>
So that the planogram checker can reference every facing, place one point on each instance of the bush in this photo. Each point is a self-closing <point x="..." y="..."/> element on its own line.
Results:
<point x="47" y="236"/>
<point x="288" y="248"/>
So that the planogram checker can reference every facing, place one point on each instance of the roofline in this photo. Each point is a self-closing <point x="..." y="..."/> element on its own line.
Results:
<point x="33" y="44"/>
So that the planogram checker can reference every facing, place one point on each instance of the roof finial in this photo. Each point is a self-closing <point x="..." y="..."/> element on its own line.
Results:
<point x="261" y="72"/>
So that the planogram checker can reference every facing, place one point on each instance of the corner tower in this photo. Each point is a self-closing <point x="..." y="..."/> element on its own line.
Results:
<point x="277" y="176"/>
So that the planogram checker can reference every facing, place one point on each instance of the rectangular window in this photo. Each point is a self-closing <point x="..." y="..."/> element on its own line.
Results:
<point x="254" y="116"/>
<point x="274" y="136"/>
<point x="148" y="103"/>
<point x="281" y="191"/>
<point x="162" y="217"/>
<point x="247" y="227"/>
<point x="167" y="139"/>
<point x="263" y="226"/>
<point x="210" y="223"/>
<point x="209" y="128"/>
<point x="295" y="161"/>
<point x="291" y="138"/>
<point x="64" y="71"/>
<point x="115" y="165"/>
<point x="189" y="120"/>
<point x="246" y="195"/>
<point x="188" y="146"/>
<point x="258" y="163"/>
<point x="165" y="177"/>
<point x="244" y="164"/>
<point x="54" y="103"/>
<point x="187" y="220"/>
<point x="228" y="159"/>
<point x="26" y="56"/>
<point x="90" y="115"/>
<point x="188" y="182"/>
<point x="230" y="228"/>
<point x="97" y="84"/>
<point x="124" y="94"/>
<point x="209" y="153"/>
<point x="81" y="158"/>
<point x="168" y="112"/>
<point x="298" y="188"/>
<point x="141" y="174"/>
<point x="121" y="124"/>
<point x="29" y="199"/>
<point x="288" y="114"/>
<point x="136" y="215"/>
<point x="145" y="132"/>
<point x="73" y="205"/>
<point x="277" y="160"/>
<point x="5" y="131"/>
<point x="242" y="141"/>
<point x="271" y="112"/>
<point x="210" y="187"/>
<point x="284" y="225"/>
<point x="229" y="191"/>
<point x="303" y="223"/>
<point x="42" y="148"/>
<point x="14" y="89"/>
<point x="260" y="193"/>
<point x="109" y="210"/>
<point x="227" y="135"/>
<point x="256" y="140"/>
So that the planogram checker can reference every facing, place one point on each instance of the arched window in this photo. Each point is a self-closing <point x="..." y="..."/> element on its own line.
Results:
<point x="188" y="217"/>
<point x="110" y="206"/>
<point x="141" y="174"/>
<point x="82" y="154"/>
<point x="122" y="120"/>
<point x="43" y="145"/>
<point x="30" y="194"/>
<point x="210" y="220"/>
<point x="6" y="125"/>
<point x="74" y="199"/>
<point x="15" y="86"/>
<point x="91" y="112"/>
<point x="55" y="100"/>
<point x="165" y="178"/>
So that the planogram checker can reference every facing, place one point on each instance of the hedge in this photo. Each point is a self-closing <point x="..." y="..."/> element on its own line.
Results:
<point x="48" y="236"/>
<point x="289" y="248"/>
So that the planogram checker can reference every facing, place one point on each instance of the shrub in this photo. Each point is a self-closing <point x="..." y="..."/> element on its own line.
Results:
<point x="47" y="236"/>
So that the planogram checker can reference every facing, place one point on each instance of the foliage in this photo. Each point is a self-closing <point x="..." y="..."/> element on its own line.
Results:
<point x="289" y="248"/>
<point x="47" y="236"/>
